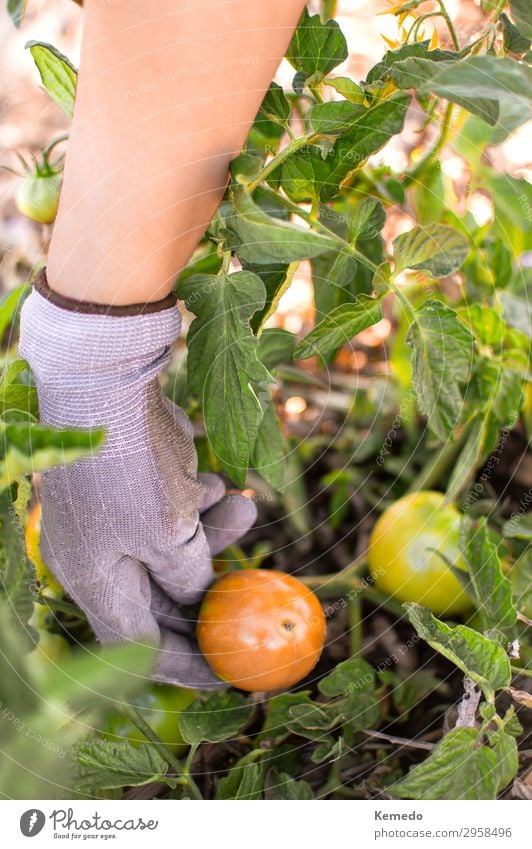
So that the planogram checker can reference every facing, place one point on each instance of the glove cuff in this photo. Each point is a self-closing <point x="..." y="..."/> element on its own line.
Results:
<point x="40" y="284"/>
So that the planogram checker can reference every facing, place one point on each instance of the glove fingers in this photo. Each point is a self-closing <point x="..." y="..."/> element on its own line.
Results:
<point x="214" y="489"/>
<point x="227" y="521"/>
<point x="180" y="662"/>
<point x="167" y="613"/>
<point x="184" y="570"/>
<point x="114" y="593"/>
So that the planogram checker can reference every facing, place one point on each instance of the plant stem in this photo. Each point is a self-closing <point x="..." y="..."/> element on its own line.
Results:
<point x="438" y="464"/>
<point x="440" y="142"/>
<point x="517" y="670"/>
<point x="287" y="151"/>
<point x="136" y="717"/>
<point x="450" y="25"/>
<point x="354" y="607"/>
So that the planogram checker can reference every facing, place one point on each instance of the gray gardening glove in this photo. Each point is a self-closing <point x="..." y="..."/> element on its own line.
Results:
<point x="121" y="529"/>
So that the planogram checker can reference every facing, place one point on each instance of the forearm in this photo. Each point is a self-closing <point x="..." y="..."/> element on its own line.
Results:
<point x="166" y="95"/>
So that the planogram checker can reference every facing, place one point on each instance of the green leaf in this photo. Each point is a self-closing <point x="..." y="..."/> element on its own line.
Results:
<point x="275" y="106"/>
<point x="269" y="452"/>
<point x="512" y="198"/>
<point x="276" y="346"/>
<point x="16" y="9"/>
<point x="348" y="677"/>
<point x="58" y="75"/>
<point x="339" y="327"/>
<point x="304" y="174"/>
<point x="312" y="721"/>
<point x="222" y="716"/>
<point x="10" y="306"/>
<point x="94" y="675"/>
<point x="244" y="780"/>
<point x="366" y="220"/>
<point x="484" y="661"/>
<point x="347" y="88"/>
<point x="334" y="117"/>
<point x="492" y="589"/>
<point x="521" y="577"/>
<point x="522" y="15"/>
<point x="265" y="240"/>
<point x="316" y="46"/>
<point x="458" y="768"/>
<point x="514" y="40"/>
<point x="17" y="575"/>
<point x="518" y="526"/>
<point x="31" y="447"/>
<point x="223" y="367"/>
<point x="277" y="713"/>
<point x="478" y="83"/>
<point x="370" y="131"/>
<point x="442" y="353"/>
<point x="280" y="785"/>
<point x="381" y="71"/>
<point x="277" y="279"/>
<point x="504" y="746"/>
<point x="436" y="249"/>
<point x="103" y="764"/>
<point x="428" y="194"/>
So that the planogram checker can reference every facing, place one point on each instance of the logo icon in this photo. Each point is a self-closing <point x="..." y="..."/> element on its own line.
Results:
<point x="32" y="822"/>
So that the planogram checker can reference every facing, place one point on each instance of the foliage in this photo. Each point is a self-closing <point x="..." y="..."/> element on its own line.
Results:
<point x="308" y="187"/>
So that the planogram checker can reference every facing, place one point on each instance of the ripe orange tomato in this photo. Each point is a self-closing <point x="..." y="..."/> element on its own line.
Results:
<point x="261" y="630"/>
<point x="33" y="550"/>
<point x="402" y="553"/>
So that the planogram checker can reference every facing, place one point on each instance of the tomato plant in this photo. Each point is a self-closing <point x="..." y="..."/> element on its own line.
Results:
<point x="383" y="428"/>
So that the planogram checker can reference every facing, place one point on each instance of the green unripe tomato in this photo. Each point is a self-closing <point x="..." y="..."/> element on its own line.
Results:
<point x="38" y="196"/>
<point x="402" y="556"/>
<point x="160" y="706"/>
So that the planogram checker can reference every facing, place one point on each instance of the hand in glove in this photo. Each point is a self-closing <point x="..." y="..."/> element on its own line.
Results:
<point x="131" y="530"/>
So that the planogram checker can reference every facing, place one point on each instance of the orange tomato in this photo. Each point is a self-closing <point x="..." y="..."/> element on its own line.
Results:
<point x="261" y="630"/>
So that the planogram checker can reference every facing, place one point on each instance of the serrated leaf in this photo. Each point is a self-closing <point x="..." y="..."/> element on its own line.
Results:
<point x="304" y="174"/>
<point x="366" y="220"/>
<point x="339" y="327"/>
<point x="370" y="131"/>
<point x="218" y="718"/>
<point x="58" y="75"/>
<point x="223" y="367"/>
<point x="492" y="589"/>
<point x="381" y="71"/>
<point x="483" y="660"/>
<point x="277" y="712"/>
<point x="269" y="452"/>
<point x="442" y="356"/>
<point x="17" y="575"/>
<point x="276" y="346"/>
<point x="458" y="768"/>
<point x="104" y="764"/>
<point x="316" y="46"/>
<point x="265" y="240"/>
<point x="436" y="249"/>
<point x="277" y="280"/>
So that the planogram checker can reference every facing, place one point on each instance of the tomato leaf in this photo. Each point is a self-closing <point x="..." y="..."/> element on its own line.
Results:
<point x="244" y="779"/>
<point x="368" y="132"/>
<point x="265" y="240"/>
<point x="316" y="46"/>
<point x="17" y="575"/>
<point x="103" y="764"/>
<point x="223" y="367"/>
<point x="492" y="589"/>
<point x="218" y="718"/>
<point x="458" y="768"/>
<point x="483" y="660"/>
<point x="348" y="677"/>
<point x="442" y="355"/>
<point x="58" y="74"/>
<point x="275" y="106"/>
<point x="270" y="449"/>
<point x="347" y="88"/>
<point x="436" y="249"/>
<point x="339" y="327"/>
